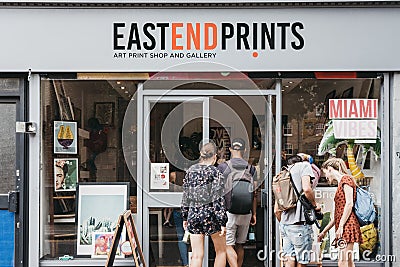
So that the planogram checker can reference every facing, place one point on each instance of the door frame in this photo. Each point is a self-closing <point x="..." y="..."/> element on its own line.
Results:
<point x="20" y="231"/>
<point x="145" y="96"/>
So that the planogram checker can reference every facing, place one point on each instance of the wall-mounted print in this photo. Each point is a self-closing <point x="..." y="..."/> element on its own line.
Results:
<point x="65" y="174"/>
<point x="101" y="245"/>
<point x="98" y="210"/>
<point x="65" y="137"/>
<point x="104" y="112"/>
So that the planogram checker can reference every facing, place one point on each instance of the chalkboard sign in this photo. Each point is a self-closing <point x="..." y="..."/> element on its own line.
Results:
<point x="127" y="220"/>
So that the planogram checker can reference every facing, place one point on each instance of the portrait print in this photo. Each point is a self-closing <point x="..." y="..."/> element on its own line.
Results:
<point x="65" y="174"/>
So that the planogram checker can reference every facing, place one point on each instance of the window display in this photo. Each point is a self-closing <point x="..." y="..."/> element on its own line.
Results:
<point x="350" y="113"/>
<point x="81" y="141"/>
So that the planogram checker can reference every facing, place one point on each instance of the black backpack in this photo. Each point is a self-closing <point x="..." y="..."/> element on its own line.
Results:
<point x="239" y="190"/>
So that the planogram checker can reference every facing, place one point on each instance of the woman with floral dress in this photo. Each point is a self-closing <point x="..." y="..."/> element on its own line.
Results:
<point x="345" y="220"/>
<point x="203" y="206"/>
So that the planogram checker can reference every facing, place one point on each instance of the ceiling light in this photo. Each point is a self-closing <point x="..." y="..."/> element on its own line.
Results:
<point x="290" y="82"/>
<point x="286" y="86"/>
<point x="122" y="87"/>
<point x="118" y="82"/>
<point x="126" y="92"/>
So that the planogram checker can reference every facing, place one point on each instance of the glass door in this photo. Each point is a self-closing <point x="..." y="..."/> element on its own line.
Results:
<point x="174" y="126"/>
<point x="173" y="130"/>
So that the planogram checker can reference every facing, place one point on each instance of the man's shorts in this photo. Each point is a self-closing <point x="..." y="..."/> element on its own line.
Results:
<point x="297" y="242"/>
<point x="237" y="228"/>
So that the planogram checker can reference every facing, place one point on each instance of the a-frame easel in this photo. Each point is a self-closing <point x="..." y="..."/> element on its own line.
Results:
<point x="127" y="220"/>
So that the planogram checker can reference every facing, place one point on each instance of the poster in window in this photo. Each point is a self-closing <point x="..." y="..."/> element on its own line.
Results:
<point x="222" y="139"/>
<point x="65" y="174"/>
<point x="102" y="245"/>
<point x="65" y="137"/>
<point x="98" y="210"/>
<point x="159" y="176"/>
<point x="325" y="197"/>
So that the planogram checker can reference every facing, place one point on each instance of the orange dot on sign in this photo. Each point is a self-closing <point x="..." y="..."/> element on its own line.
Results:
<point x="255" y="54"/>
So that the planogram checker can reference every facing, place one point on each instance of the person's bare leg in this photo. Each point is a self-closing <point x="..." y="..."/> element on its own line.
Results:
<point x="220" y="249"/>
<point x="197" y="242"/>
<point x="289" y="262"/>
<point x="346" y="256"/>
<point x="231" y="256"/>
<point x="240" y="254"/>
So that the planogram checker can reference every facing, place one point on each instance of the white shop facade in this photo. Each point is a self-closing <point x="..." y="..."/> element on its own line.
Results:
<point x="156" y="79"/>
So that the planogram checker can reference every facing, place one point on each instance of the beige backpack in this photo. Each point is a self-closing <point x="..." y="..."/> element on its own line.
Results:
<point x="284" y="192"/>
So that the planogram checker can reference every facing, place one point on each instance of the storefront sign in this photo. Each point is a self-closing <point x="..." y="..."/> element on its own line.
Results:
<point x="355" y="129"/>
<point x="353" y="108"/>
<point x="159" y="177"/>
<point x="152" y="40"/>
<point x="354" y="118"/>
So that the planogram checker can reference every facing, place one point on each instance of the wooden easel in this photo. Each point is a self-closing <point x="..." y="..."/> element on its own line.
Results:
<point x="127" y="220"/>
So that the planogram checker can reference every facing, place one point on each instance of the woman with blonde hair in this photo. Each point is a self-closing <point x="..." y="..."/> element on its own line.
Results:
<point x="203" y="206"/>
<point x="345" y="220"/>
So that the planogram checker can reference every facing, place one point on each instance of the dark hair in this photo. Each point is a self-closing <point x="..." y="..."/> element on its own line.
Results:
<point x="294" y="159"/>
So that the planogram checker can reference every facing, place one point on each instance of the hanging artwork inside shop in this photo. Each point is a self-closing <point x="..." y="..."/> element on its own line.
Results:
<point x="65" y="174"/>
<point x="99" y="207"/>
<point x="222" y="139"/>
<point x="101" y="245"/>
<point x="65" y="137"/>
<point x="159" y="176"/>
<point x="104" y="111"/>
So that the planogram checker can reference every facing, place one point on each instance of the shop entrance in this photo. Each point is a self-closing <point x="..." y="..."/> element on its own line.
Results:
<point x="11" y="172"/>
<point x="174" y="126"/>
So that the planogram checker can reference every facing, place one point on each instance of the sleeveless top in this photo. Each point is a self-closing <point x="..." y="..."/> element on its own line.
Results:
<point x="351" y="229"/>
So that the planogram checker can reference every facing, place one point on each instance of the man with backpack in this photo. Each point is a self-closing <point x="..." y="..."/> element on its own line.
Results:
<point x="296" y="233"/>
<point x="241" y="201"/>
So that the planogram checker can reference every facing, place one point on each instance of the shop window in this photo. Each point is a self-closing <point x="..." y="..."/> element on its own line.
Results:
<point x="82" y="132"/>
<point x="306" y="105"/>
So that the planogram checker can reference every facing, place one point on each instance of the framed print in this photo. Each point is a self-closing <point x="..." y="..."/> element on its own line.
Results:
<point x="65" y="137"/>
<point x="102" y="245"/>
<point x="99" y="206"/>
<point x="159" y="177"/>
<point x="104" y="112"/>
<point x="65" y="174"/>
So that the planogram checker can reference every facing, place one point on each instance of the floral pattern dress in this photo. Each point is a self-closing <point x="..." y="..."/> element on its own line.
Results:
<point x="203" y="204"/>
<point x="351" y="229"/>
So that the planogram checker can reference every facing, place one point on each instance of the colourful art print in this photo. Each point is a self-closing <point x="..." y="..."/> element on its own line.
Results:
<point x="102" y="244"/>
<point x="65" y="137"/>
<point x="99" y="207"/>
<point x="65" y="174"/>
